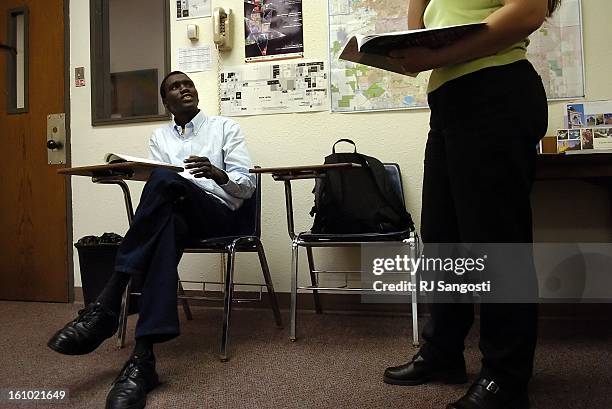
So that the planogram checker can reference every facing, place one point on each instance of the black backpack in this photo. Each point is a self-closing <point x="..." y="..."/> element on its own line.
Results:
<point x="357" y="199"/>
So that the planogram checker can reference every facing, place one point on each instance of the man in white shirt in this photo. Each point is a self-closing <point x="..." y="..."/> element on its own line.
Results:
<point x="202" y="201"/>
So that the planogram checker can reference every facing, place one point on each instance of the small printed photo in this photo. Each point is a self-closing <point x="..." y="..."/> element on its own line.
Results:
<point x="575" y="115"/>
<point x="562" y="134"/>
<point x="599" y="119"/>
<point x="608" y="119"/>
<point x="591" y="120"/>
<point x="574" y="134"/>
<point x="603" y="133"/>
<point x="571" y="145"/>
<point x="587" y="139"/>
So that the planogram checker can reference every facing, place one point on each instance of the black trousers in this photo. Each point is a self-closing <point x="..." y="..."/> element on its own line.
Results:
<point x="479" y="171"/>
<point x="171" y="211"/>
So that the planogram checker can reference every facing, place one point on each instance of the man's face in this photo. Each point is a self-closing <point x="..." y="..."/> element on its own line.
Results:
<point x="181" y="94"/>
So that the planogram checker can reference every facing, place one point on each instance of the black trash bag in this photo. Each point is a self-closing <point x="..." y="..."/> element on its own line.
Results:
<point x="106" y="238"/>
<point x="97" y="264"/>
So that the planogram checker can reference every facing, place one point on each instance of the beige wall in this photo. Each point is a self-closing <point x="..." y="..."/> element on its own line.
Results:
<point x="564" y="210"/>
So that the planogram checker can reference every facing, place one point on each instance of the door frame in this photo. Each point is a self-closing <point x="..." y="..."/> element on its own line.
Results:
<point x="67" y="87"/>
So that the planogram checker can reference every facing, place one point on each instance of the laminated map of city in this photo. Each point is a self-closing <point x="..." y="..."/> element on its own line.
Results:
<point x="555" y="51"/>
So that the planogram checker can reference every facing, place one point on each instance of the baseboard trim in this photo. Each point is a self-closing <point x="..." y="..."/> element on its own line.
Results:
<point x="352" y="303"/>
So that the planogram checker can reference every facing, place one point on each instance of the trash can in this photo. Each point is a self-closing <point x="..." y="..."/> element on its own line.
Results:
<point x="97" y="264"/>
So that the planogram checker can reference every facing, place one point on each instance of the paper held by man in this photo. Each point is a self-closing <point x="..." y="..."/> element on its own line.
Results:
<point x="373" y="50"/>
<point x="120" y="158"/>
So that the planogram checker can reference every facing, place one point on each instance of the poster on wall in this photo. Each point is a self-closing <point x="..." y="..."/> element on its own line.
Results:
<point x="186" y="9"/>
<point x="273" y="30"/>
<point x="279" y="88"/>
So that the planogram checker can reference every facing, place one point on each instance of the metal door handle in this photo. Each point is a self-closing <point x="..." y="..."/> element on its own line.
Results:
<point x="54" y="145"/>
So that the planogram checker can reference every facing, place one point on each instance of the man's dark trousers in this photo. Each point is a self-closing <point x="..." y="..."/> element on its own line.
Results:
<point x="479" y="171"/>
<point x="171" y="211"/>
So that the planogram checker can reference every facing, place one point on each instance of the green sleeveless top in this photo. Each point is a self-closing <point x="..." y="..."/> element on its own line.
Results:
<point x="440" y="13"/>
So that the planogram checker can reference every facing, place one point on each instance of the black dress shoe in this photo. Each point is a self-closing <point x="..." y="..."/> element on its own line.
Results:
<point x="86" y="332"/>
<point x="419" y="371"/>
<point x="136" y="379"/>
<point x="486" y="394"/>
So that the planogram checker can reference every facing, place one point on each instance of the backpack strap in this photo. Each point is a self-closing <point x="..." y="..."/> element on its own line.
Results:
<point x="379" y="173"/>
<point x="344" y="140"/>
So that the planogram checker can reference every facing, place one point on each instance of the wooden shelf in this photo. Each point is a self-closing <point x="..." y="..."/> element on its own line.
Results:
<point x="582" y="166"/>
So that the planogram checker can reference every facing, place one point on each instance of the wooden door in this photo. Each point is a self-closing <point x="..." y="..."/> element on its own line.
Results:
<point x="33" y="229"/>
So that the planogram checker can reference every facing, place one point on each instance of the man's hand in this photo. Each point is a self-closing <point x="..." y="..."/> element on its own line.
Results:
<point x="200" y="167"/>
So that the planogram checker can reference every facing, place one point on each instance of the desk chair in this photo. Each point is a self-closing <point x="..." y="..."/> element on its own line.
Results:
<point x="248" y="241"/>
<point x="310" y="240"/>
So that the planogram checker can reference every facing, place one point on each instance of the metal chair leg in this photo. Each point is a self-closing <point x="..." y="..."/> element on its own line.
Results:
<point x="415" y="318"/>
<point x="294" y="284"/>
<point x="125" y="302"/>
<point x="313" y="280"/>
<point x="227" y="301"/>
<point x="414" y="253"/>
<point x="184" y="302"/>
<point x="271" y="293"/>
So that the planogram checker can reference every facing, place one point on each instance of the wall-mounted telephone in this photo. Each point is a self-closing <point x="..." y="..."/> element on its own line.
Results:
<point x="222" y="29"/>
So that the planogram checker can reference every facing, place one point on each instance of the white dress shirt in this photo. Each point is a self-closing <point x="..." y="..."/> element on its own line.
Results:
<point x="221" y="141"/>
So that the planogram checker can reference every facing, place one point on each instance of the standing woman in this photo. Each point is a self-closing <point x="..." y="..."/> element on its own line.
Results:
<point x="488" y="111"/>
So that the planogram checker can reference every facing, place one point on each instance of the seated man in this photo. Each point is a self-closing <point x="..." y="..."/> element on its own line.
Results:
<point x="199" y="202"/>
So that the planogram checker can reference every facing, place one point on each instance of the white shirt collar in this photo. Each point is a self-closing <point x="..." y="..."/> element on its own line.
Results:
<point x="193" y="126"/>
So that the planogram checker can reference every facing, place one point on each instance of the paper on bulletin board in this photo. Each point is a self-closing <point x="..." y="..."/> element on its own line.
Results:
<point x="186" y="9"/>
<point x="194" y="59"/>
<point x="274" y="89"/>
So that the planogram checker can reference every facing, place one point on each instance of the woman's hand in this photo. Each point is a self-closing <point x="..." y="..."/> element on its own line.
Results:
<point x="417" y="59"/>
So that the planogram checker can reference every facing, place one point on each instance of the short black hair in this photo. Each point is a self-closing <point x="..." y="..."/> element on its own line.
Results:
<point x="162" y="87"/>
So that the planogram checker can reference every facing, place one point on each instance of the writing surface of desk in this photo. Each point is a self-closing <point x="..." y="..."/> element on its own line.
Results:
<point x="595" y="168"/>
<point x="302" y="171"/>
<point x="117" y="174"/>
<point x="582" y="166"/>
<point x="123" y="170"/>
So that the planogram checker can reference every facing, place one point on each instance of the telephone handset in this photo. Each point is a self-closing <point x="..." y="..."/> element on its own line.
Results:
<point x="222" y="29"/>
